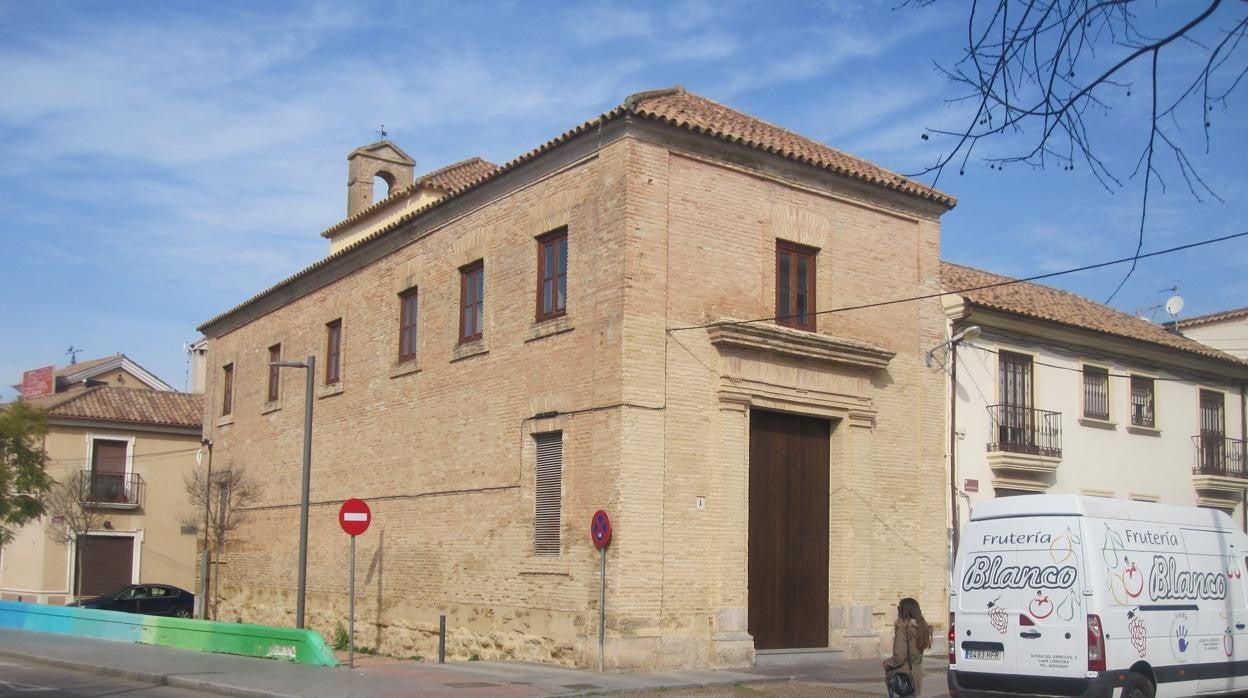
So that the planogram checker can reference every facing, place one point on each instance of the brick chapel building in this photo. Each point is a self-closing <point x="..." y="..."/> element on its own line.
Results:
<point x="651" y="314"/>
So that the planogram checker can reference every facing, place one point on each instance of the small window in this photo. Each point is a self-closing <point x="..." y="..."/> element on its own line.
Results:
<point x="472" y="301"/>
<point x="795" y="285"/>
<point x="548" y="493"/>
<point x="333" y="352"/>
<point x="275" y="373"/>
<point x="1143" y="402"/>
<point x="227" y="389"/>
<point x="408" y="314"/>
<point x="552" y="274"/>
<point x="1096" y="393"/>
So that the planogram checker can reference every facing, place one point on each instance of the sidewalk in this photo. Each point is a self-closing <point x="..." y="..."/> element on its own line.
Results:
<point x="381" y="676"/>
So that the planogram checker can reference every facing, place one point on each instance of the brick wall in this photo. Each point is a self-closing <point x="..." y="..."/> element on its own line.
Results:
<point x="659" y="237"/>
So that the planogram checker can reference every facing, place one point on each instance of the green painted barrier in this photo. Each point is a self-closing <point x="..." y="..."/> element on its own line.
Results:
<point x="302" y="646"/>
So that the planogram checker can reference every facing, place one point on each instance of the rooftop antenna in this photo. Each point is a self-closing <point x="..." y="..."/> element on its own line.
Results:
<point x="382" y="131"/>
<point x="1174" y="304"/>
<point x="72" y="352"/>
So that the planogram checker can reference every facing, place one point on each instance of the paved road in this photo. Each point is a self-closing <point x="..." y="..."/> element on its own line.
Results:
<point x="32" y="680"/>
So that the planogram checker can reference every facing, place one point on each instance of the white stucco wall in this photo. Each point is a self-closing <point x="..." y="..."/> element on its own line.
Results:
<point x="1110" y="459"/>
<point x="1230" y="336"/>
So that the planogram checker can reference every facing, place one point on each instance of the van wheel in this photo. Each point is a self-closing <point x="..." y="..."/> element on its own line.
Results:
<point x="1137" y="687"/>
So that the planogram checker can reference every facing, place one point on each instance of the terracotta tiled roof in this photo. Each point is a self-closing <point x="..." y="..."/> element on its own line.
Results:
<point x="130" y="405"/>
<point x="457" y="176"/>
<point x="1214" y="317"/>
<point x="447" y="179"/>
<point x="1053" y="305"/>
<point x="82" y="366"/>
<point x="673" y="106"/>
<point x="677" y="107"/>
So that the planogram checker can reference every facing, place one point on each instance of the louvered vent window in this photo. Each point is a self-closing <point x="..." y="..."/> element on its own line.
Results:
<point x="549" y="493"/>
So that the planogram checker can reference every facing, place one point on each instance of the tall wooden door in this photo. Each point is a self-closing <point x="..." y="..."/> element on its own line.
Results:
<point x="788" y="546"/>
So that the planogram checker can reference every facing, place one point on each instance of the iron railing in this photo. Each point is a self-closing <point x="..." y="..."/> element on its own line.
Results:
<point x="124" y="490"/>
<point x="1218" y="455"/>
<point x="1020" y="429"/>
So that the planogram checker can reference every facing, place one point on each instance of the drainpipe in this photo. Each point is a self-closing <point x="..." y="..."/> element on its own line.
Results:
<point x="953" y="444"/>
<point x="1243" y="446"/>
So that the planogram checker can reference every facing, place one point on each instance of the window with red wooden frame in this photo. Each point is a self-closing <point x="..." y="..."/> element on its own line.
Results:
<point x="333" y="351"/>
<point x="795" y="285"/>
<point x="408" y="315"/>
<point x="227" y="389"/>
<point x="471" y="301"/>
<point x="275" y="373"/>
<point x="552" y="274"/>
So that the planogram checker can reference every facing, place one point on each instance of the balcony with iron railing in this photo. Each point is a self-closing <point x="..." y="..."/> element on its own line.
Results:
<point x="1218" y="455"/>
<point x="1026" y="446"/>
<point x="1219" y="475"/>
<point x="112" y="490"/>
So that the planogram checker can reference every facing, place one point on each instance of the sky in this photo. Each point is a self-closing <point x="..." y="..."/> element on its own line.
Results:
<point x="161" y="162"/>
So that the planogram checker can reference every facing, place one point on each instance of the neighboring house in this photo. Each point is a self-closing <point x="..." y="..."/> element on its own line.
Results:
<point x="567" y="333"/>
<point x="135" y="439"/>
<point x="1226" y="331"/>
<point x="1060" y="394"/>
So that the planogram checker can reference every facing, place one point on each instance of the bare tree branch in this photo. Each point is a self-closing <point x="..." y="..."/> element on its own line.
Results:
<point x="1023" y="70"/>
<point x="220" y="502"/>
<point x="69" y="504"/>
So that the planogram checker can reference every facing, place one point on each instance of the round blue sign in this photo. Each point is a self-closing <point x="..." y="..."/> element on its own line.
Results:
<point x="600" y="529"/>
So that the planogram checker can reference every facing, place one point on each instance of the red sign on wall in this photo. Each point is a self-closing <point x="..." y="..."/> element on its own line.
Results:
<point x="354" y="516"/>
<point x="39" y="381"/>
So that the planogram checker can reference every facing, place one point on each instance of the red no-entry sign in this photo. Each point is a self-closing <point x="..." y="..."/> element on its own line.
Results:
<point x="355" y="516"/>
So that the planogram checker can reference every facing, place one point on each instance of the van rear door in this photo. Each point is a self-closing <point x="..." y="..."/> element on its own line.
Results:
<point x="1019" y="607"/>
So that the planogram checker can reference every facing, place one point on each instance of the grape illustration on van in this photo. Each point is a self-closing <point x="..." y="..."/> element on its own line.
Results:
<point x="1139" y="634"/>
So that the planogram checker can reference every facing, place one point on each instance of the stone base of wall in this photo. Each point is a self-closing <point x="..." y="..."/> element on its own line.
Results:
<point x="406" y="630"/>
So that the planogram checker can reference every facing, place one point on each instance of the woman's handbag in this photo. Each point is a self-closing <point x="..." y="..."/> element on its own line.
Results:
<point x="900" y="684"/>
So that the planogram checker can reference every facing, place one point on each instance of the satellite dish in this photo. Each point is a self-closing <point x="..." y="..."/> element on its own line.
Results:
<point x="1174" y="305"/>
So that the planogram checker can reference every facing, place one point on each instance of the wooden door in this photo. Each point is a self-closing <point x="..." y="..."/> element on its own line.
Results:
<point x="788" y="544"/>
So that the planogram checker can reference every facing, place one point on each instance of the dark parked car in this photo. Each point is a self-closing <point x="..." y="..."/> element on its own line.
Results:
<point x="150" y="599"/>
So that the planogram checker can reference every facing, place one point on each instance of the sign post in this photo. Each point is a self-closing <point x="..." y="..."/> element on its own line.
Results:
<point x="354" y="516"/>
<point x="600" y="533"/>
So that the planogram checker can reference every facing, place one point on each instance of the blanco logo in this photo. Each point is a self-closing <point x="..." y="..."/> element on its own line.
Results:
<point x="986" y="572"/>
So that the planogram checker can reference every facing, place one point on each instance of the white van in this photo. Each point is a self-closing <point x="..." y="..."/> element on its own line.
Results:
<point x="1059" y="595"/>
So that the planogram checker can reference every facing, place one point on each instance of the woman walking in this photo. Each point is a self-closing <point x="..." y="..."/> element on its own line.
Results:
<point x="911" y="636"/>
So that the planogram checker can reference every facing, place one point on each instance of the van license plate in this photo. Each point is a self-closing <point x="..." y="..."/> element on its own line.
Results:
<point x="987" y="655"/>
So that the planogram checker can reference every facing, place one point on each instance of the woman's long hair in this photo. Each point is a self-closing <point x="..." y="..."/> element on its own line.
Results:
<point x="908" y="609"/>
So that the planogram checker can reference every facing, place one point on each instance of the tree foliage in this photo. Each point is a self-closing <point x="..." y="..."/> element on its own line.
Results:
<point x="23" y="478"/>
<point x="1041" y="72"/>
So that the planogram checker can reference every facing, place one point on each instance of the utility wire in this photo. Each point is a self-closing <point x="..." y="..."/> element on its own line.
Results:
<point x="986" y="350"/>
<point x="1008" y="282"/>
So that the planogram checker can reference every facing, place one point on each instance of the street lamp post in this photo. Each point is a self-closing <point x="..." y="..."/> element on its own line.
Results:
<point x="967" y="334"/>
<point x="310" y="367"/>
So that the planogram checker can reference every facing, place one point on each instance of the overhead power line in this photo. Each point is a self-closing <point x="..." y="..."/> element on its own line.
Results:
<point x="1008" y="282"/>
